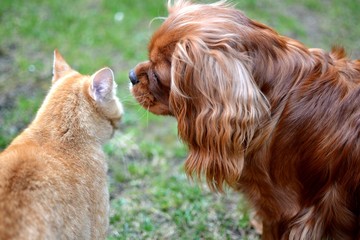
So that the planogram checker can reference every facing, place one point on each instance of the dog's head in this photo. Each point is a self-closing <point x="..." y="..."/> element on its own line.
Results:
<point x="199" y="72"/>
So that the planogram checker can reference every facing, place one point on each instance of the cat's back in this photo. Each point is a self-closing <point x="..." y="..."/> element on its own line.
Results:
<point x="22" y="188"/>
<point x="36" y="188"/>
<point x="53" y="175"/>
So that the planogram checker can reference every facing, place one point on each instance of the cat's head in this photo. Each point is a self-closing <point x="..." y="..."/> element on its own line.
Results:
<point x="79" y="105"/>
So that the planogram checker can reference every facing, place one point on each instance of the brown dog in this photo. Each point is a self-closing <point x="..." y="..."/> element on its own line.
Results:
<point x="263" y="114"/>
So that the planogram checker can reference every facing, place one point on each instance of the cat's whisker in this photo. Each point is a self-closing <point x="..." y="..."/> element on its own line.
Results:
<point x="126" y="97"/>
<point x="130" y="102"/>
<point x="140" y="108"/>
<point x="147" y="116"/>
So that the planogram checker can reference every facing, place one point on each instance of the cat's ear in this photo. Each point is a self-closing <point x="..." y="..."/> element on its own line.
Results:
<point x="60" y="66"/>
<point x="102" y="85"/>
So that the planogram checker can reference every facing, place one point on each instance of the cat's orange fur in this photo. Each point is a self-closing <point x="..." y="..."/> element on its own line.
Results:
<point x="53" y="175"/>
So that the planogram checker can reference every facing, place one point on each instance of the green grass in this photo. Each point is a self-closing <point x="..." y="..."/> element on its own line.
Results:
<point x="151" y="198"/>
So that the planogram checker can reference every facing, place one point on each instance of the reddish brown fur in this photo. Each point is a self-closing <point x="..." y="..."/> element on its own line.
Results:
<point x="263" y="114"/>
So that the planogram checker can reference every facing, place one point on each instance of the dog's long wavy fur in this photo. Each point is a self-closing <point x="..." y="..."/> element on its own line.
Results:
<point x="263" y="114"/>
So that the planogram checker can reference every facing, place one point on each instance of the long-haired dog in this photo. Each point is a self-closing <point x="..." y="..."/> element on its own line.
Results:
<point x="262" y="114"/>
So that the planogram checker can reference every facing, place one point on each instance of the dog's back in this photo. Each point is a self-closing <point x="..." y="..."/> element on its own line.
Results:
<point x="312" y="158"/>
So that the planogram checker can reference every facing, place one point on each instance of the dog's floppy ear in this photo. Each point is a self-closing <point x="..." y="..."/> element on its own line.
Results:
<point x="218" y="108"/>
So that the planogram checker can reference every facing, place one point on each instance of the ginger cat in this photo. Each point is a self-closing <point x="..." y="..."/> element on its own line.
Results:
<point x="53" y="175"/>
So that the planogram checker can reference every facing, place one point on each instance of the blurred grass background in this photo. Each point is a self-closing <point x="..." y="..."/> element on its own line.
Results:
<point x="151" y="198"/>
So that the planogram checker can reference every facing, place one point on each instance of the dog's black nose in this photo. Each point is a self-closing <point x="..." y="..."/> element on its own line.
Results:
<point x="133" y="78"/>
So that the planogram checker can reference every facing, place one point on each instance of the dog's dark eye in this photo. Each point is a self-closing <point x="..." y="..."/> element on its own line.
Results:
<point x="156" y="77"/>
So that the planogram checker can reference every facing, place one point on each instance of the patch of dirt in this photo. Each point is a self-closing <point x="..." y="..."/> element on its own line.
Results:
<point x="319" y="29"/>
<point x="310" y="22"/>
<point x="6" y="70"/>
<point x="15" y="84"/>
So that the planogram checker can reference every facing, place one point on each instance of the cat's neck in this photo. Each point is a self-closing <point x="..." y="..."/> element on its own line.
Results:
<point x="72" y="126"/>
<point x="51" y="136"/>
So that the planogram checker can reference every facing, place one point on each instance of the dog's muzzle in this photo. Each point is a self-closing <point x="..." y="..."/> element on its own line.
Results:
<point x="133" y="78"/>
